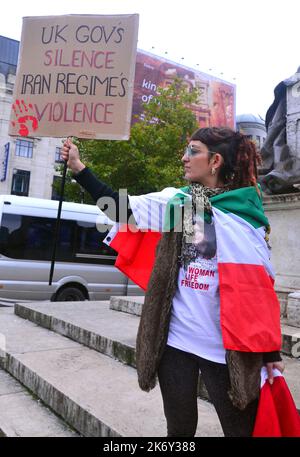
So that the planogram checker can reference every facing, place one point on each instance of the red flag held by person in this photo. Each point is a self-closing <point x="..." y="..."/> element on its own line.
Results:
<point x="277" y="415"/>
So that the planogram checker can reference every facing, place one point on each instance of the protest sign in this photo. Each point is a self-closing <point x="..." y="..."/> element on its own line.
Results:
<point x="75" y="77"/>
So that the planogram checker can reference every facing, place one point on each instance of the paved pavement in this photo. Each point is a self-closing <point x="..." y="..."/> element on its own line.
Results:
<point x="9" y="302"/>
<point x="4" y="303"/>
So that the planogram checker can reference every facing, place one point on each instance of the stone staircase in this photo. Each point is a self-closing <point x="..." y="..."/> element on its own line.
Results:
<point x="78" y="359"/>
<point x="23" y="415"/>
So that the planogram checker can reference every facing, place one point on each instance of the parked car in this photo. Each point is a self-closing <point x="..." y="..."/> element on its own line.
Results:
<point x="84" y="267"/>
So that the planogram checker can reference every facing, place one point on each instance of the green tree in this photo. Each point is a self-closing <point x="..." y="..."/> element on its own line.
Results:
<point x="150" y="159"/>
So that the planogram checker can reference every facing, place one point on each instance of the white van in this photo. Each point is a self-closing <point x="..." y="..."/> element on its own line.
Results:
<point x="84" y="267"/>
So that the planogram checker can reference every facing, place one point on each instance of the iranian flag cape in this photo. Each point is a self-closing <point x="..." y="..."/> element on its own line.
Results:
<point x="249" y="308"/>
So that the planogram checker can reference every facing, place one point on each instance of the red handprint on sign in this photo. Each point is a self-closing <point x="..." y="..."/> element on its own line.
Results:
<point x="26" y="121"/>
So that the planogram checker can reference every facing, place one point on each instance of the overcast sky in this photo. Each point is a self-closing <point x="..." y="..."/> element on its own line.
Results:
<point x="254" y="41"/>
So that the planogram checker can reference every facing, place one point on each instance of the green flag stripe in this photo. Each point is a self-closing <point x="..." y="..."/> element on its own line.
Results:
<point x="244" y="202"/>
<point x="173" y="214"/>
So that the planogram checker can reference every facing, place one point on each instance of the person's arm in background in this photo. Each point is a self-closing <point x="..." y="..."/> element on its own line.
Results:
<point x="88" y="180"/>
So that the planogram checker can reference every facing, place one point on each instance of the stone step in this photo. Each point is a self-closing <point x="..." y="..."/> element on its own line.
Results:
<point x="283" y="297"/>
<point x="134" y="304"/>
<point x="91" y="323"/>
<point x="23" y="415"/>
<point x="290" y="340"/>
<point x="293" y="309"/>
<point x="96" y="326"/>
<point x="290" y="334"/>
<point x="131" y="305"/>
<point x="93" y="393"/>
<point x="283" y="300"/>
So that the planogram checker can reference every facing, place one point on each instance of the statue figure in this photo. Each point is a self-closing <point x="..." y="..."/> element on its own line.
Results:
<point x="281" y="157"/>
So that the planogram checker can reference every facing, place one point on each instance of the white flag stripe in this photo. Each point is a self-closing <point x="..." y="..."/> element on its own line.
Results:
<point x="264" y="375"/>
<point x="149" y="210"/>
<point x="233" y="231"/>
<point x="112" y="233"/>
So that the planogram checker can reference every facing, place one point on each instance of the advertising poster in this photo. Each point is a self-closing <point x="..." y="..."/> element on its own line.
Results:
<point x="216" y="103"/>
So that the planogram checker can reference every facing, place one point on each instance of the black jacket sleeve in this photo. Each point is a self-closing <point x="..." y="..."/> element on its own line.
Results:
<point x="272" y="357"/>
<point x="98" y="189"/>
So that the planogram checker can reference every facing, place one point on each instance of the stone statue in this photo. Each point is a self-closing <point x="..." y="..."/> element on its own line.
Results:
<point x="281" y="149"/>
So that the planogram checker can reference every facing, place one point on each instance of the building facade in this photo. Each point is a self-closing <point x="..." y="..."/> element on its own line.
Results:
<point x="253" y="127"/>
<point x="27" y="165"/>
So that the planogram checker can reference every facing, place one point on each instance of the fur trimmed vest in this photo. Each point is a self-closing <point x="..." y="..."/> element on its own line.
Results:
<point x="244" y="367"/>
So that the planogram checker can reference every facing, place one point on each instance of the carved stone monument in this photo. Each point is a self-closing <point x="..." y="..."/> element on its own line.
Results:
<point x="281" y="185"/>
<point x="281" y="150"/>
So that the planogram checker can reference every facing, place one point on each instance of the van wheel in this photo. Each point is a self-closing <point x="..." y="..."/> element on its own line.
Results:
<point x="70" y="294"/>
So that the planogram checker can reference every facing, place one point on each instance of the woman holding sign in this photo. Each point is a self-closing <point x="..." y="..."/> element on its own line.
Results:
<point x="210" y="304"/>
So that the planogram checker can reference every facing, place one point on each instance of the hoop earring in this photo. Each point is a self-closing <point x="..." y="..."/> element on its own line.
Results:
<point x="213" y="171"/>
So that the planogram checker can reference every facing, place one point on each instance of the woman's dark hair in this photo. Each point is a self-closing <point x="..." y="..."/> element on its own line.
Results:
<point x="240" y="155"/>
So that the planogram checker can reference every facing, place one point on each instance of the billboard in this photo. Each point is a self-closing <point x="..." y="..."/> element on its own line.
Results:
<point x="216" y="103"/>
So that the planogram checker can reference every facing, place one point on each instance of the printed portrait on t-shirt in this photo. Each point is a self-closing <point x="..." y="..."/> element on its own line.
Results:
<point x="205" y="243"/>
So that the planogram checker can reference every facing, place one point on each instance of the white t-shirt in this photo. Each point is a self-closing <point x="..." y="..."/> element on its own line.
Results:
<point x="195" y="318"/>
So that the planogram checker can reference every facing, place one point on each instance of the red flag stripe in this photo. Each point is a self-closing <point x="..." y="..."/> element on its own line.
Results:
<point x="250" y="310"/>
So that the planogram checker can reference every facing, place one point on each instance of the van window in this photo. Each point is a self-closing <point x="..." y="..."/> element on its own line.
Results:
<point x="29" y="237"/>
<point x="89" y="242"/>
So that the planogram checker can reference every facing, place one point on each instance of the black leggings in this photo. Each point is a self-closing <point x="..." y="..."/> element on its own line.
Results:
<point x="178" y="379"/>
